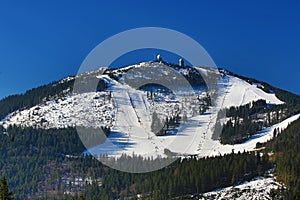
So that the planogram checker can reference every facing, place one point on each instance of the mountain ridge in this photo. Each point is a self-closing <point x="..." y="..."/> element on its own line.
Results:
<point x="69" y="82"/>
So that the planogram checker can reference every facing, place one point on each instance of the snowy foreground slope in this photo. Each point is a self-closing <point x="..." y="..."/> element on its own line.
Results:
<point x="258" y="188"/>
<point x="128" y="112"/>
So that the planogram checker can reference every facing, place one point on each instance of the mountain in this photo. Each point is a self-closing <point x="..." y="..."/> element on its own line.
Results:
<point x="134" y="93"/>
<point x="149" y="110"/>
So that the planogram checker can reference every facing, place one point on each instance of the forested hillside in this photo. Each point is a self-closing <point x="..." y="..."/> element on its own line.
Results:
<point x="187" y="176"/>
<point x="47" y="92"/>
<point x="284" y="149"/>
<point x="45" y="163"/>
<point x="33" y="97"/>
<point x="245" y="121"/>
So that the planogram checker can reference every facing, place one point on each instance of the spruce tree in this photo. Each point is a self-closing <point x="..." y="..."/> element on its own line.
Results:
<point x="5" y="194"/>
<point x="156" y="125"/>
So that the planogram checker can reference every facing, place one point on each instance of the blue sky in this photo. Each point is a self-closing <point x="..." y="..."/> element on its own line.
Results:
<point x="43" y="41"/>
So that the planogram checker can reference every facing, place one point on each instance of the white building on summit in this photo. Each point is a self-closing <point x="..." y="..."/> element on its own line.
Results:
<point x="158" y="57"/>
<point x="181" y="62"/>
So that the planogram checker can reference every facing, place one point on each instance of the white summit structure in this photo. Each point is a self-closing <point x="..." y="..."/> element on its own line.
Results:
<point x="181" y="62"/>
<point x="158" y="57"/>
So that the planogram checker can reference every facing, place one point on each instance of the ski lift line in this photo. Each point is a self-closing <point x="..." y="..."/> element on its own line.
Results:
<point x="131" y="102"/>
<point x="211" y="119"/>
<point x="243" y="99"/>
<point x="208" y="125"/>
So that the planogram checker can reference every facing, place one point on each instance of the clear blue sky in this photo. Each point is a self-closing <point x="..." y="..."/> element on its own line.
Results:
<point x="43" y="41"/>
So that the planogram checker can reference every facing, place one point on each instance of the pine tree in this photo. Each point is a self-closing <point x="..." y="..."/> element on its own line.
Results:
<point x="5" y="194"/>
<point x="81" y="197"/>
<point x="156" y="125"/>
<point x="184" y="118"/>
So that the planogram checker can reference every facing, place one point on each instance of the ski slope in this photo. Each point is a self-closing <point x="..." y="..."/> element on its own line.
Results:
<point x="235" y="93"/>
<point x="195" y="137"/>
<point x="241" y="92"/>
<point x="131" y="132"/>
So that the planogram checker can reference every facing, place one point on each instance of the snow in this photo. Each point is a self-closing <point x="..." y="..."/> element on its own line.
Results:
<point x="234" y="93"/>
<point x="194" y="137"/>
<point x="67" y="79"/>
<point x="131" y="132"/>
<point x="216" y="148"/>
<point x="258" y="188"/>
<point x="202" y="70"/>
<point x="129" y="116"/>
<point x="88" y="109"/>
<point x="240" y="93"/>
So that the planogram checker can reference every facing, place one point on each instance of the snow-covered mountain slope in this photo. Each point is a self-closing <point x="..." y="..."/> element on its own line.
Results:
<point x="127" y="110"/>
<point x="132" y="132"/>
<point x="240" y="92"/>
<point x="258" y="188"/>
<point x="195" y="137"/>
<point x="88" y="109"/>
